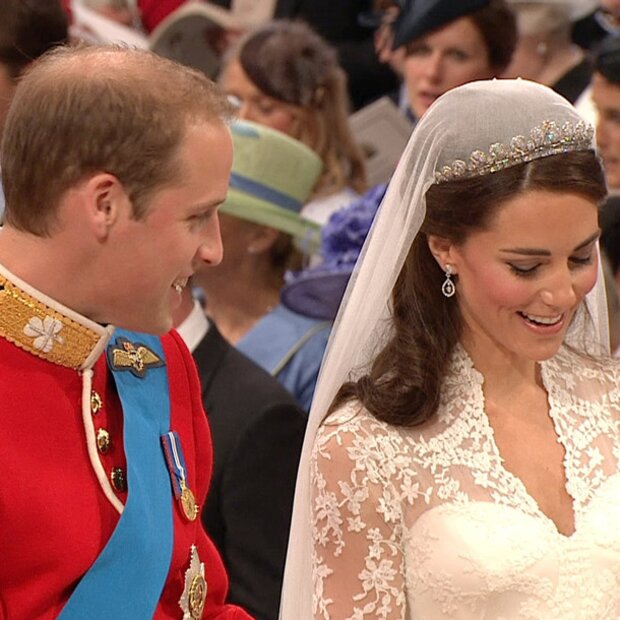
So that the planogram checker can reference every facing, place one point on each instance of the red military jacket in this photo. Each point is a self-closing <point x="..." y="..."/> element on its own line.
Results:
<point x="62" y="460"/>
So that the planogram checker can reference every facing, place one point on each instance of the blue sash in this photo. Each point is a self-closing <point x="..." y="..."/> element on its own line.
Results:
<point x="127" y="579"/>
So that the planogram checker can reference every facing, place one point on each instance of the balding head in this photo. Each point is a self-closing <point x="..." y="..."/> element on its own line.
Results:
<point x="79" y="111"/>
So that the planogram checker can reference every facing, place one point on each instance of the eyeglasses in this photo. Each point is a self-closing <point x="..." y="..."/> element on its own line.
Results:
<point x="261" y="109"/>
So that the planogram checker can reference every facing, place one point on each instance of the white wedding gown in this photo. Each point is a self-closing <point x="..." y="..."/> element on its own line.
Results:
<point x="427" y="524"/>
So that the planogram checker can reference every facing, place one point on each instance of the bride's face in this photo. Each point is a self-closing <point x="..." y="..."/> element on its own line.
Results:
<point x="520" y="281"/>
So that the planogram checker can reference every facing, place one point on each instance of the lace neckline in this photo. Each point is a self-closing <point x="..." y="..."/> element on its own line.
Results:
<point x="464" y="376"/>
<point x="434" y="525"/>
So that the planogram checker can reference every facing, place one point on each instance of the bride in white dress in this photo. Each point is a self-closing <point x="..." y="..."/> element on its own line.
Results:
<point x="468" y="465"/>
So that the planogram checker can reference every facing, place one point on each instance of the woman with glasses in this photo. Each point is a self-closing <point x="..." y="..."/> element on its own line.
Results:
<point x="287" y="77"/>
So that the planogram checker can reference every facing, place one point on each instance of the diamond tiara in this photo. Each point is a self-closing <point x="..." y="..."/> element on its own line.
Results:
<point x="545" y="139"/>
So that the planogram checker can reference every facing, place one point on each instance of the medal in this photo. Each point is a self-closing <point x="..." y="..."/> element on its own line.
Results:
<point x="188" y="502"/>
<point x="194" y="596"/>
<point x="175" y="461"/>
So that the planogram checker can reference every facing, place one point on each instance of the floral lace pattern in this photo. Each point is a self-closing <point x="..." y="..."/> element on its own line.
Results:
<point x="427" y="523"/>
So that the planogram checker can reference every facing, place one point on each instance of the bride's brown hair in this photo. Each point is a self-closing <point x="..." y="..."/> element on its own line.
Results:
<point x="403" y="386"/>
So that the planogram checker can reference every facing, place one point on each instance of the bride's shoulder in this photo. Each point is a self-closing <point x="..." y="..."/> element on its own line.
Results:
<point x="353" y="415"/>
<point x="352" y="423"/>
<point x="577" y="362"/>
<point x="575" y="369"/>
<point x="351" y="439"/>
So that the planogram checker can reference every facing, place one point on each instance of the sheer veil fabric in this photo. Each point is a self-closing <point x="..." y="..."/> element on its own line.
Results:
<point x="464" y="120"/>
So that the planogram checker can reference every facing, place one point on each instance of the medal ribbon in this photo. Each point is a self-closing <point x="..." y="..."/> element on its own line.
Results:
<point x="175" y="459"/>
<point x="127" y="579"/>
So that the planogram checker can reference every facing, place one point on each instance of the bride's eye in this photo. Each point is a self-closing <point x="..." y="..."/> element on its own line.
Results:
<point x="523" y="270"/>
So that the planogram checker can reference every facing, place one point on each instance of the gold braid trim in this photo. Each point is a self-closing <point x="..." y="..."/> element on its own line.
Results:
<point x="41" y="330"/>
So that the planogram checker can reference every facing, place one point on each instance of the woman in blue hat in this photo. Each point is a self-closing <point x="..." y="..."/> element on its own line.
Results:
<point x="443" y="44"/>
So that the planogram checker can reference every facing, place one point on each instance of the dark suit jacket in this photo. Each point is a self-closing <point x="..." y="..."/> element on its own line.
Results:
<point x="257" y="433"/>
<point x="588" y="33"/>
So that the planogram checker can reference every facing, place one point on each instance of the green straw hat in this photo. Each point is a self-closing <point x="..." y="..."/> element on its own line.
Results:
<point x="272" y="178"/>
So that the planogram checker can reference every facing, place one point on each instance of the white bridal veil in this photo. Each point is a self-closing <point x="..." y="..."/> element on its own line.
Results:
<point x="474" y="129"/>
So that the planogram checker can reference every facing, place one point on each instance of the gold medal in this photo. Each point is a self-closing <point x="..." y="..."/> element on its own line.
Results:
<point x="188" y="502"/>
<point x="194" y="596"/>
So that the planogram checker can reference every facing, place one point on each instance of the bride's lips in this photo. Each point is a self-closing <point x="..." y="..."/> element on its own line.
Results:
<point x="543" y="324"/>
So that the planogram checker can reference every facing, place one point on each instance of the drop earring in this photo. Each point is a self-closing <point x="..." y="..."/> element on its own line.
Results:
<point x="448" y="288"/>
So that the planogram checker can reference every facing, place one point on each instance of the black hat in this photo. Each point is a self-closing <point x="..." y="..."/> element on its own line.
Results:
<point x="419" y="17"/>
<point x="607" y="59"/>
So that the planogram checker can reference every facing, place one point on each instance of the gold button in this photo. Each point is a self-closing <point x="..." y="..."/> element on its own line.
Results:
<point x="119" y="482"/>
<point x="95" y="402"/>
<point x="103" y="441"/>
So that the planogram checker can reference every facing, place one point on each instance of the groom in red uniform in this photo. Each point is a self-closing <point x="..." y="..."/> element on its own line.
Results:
<point x="113" y="165"/>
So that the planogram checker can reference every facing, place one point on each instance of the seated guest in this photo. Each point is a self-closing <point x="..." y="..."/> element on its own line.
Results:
<point x="342" y="25"/>
<point x="285" y="76"/>
<point x="318" y="290"/>
<point x="606" y="99"/>
<point x="610" y="235"/>
<point x="447" y="44"/>
<point x="603" y="20"/>
<point x="545" y="51"/>
<point x="257" y="431"/>
<point x="262" y="230"/>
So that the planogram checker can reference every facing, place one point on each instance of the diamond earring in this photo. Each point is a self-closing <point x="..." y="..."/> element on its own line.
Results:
<point x="448" y="288"/>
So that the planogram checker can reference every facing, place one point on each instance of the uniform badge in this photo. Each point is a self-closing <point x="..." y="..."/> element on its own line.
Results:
<point x="137" y="358"/>
<point x="194" y="596"/>
<point x="175" y="460"/>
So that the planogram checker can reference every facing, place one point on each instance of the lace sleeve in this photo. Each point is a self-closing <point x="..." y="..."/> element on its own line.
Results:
<point x="358" y="561"/>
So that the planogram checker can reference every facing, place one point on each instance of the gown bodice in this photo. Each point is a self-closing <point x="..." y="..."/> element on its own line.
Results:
<point x="427" y="523"/>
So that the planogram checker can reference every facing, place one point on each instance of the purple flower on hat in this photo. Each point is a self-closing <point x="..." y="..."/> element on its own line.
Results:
<point x="344" y="234"/>
<point x="317" y="291"/>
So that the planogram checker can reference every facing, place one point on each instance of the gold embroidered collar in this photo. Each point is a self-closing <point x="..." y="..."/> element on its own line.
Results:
<point x="38" y="324"/>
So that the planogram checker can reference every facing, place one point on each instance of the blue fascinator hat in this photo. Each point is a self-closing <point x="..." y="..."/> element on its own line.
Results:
<point x="318" y="290"/>
<point x="418" y="17"/>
